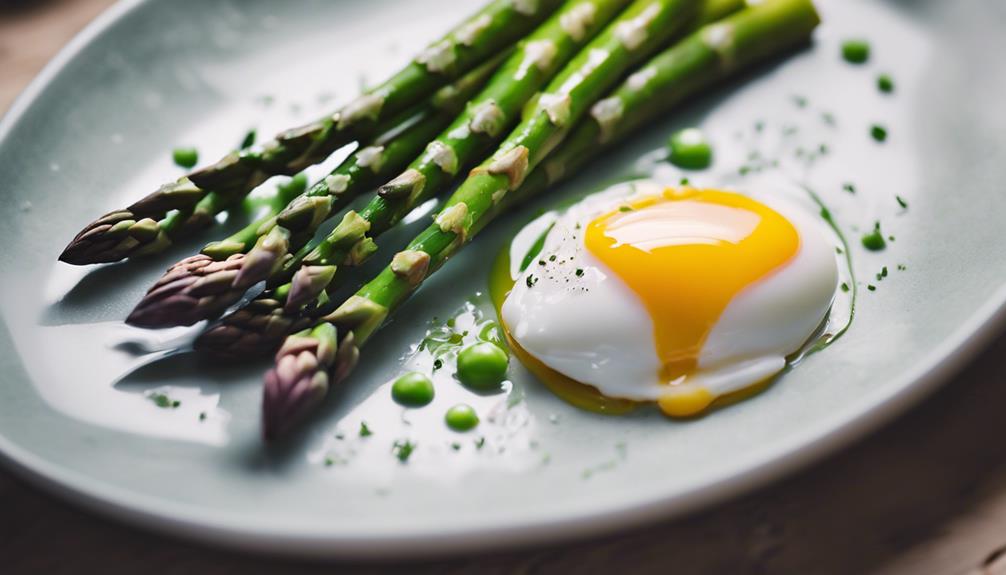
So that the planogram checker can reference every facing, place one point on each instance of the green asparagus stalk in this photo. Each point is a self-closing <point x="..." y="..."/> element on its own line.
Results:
<point x="497" y="108"/>
<point x="124" y="234"/>
<point x="400" y="141"/>
<point x="706" y="56"/>
<point x="481" y="37"/>
<point x="194" y="294"/>
<point x="471" y="134"/>
<point x="644" y="26"/>
<point x="384" y="211"/>
<point x="260" y="326"/>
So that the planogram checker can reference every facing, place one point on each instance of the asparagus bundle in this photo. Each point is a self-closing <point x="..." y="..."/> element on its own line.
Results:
<point x="203" y="285"/>
<point x="300" y="377"/>
<point x="309" y="361"/>
<point x="135" y="229"/>
<point x="496" y="108"/>
<point x="260" y="326"/>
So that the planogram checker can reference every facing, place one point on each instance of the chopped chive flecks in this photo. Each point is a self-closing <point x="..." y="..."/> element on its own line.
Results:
<point x="163" y="401"/>
<point x="365" y="430"/>
<point x="249" y="140"/>
<point x="403" y="449"/>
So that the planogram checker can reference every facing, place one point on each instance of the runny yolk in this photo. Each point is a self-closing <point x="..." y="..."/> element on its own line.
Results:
<point x="686" y="254"/>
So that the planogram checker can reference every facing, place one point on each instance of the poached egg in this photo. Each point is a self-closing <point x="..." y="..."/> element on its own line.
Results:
<point x="673" y="295"/>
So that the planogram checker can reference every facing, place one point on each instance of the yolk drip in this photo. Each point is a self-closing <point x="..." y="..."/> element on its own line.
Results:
<point x="686" y="254"/>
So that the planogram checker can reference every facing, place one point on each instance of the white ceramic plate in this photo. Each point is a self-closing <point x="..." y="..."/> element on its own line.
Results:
<point x="97" y="127"/>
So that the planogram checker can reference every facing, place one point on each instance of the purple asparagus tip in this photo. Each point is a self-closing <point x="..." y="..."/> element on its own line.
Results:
<point x="307" y="364"/>
<point x="192" y="290"/>
<point x="114" y="237"/>
<point x="258" y="329"/>
<point x="307" y="284"/>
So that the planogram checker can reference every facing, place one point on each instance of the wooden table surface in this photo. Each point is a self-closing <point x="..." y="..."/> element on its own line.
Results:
<point x="925" y="495"/>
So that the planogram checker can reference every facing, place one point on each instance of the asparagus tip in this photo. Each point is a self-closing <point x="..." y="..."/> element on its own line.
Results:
<point x="192" y="290"/>
<point x="307" y="364"/>
<point x="299" y="380"/>
<point x="264" y="259"/>
<point x="308" y="283"/>
<point x="114" y="237"/>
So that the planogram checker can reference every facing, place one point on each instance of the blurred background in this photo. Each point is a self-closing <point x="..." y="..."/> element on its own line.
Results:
<point x="925" y="495"/>
<point x="31" y="32"/>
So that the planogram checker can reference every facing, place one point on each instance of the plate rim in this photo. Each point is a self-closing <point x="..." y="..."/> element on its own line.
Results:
<point x="971" y="337"/>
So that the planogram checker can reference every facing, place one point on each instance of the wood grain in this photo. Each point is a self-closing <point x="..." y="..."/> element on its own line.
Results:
<point x="926" y="495"/>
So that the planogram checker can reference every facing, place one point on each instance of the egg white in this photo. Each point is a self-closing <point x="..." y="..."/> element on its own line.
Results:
<point x="594" y="329"/>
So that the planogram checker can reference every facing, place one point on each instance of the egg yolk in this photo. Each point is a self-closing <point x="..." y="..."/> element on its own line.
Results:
<point x="686" y="254"/>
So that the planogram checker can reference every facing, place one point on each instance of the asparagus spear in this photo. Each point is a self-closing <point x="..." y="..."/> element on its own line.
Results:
<point x="261" y="325"/>
<point x="189" y="292"/>
<point x="479" y="38"/>
<point x="123" y="234"/>
<point x="135" y="229"/>
<point x="301" y="377"/>
<point x="498" y="106"/>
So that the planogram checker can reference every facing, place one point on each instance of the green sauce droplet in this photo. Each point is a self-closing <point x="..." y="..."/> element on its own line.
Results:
<point x="856" y="51"/>
<point x="878" y="132"/>
<point x="185" y="157"/>
<point x="412" y="390"/>
<point x="874" y="241"/>
<point x="482" y="366"/>
<point x="690" y="150"/>
<point x="885" y="83"/>
<point x="461" y="417"/>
